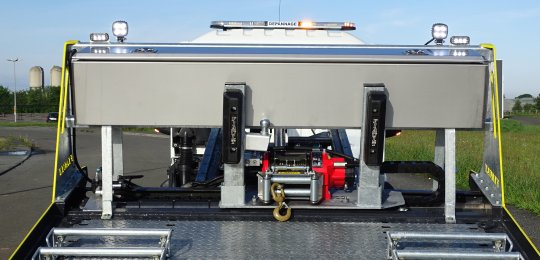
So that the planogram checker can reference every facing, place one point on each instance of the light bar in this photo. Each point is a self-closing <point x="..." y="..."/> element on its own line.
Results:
<point x="303" y="25"/>
<point x="99" y="37"/>
<point x="99" y="50"/>
<point x="460" y="40"/>
<point x="459" y="53"/>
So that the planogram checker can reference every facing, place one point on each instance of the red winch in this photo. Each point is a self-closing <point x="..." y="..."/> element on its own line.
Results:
<point x="294" y="164"/>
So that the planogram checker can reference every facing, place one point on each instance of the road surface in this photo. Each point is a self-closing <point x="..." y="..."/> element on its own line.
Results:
<point x="25" y="192"/>
<point x="527" y="120"/>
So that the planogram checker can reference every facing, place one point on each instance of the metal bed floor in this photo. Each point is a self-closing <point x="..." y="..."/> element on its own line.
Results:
<point x="265" y="239"/>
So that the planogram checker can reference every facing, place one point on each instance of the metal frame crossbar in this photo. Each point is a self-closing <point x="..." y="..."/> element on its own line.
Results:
<point x="48" y="252"/>
<point x="499" y="240"/>
<point x="56" y="237"/>
<point x="405" y="254"/>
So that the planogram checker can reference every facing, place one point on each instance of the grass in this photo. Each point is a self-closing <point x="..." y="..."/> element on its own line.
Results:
<point x="523" y="114"/>
<point x="11" y="142"/>
<point x="124" y="129"/>
<point x="521" y="158"/>
<point x="139" y="130"/>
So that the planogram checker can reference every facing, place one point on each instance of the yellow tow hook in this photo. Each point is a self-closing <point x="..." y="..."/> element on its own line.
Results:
<point x="280" y="200"/>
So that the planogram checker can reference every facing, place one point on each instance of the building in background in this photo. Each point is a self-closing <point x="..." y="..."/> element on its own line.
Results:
<point x="36" y="78"/>
<point x="56" y="76"/>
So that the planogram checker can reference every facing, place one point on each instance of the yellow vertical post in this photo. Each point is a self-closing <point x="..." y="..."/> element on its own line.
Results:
<point x="61" y="112"/>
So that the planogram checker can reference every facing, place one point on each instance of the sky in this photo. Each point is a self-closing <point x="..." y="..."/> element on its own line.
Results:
<point x="34" y="31"/>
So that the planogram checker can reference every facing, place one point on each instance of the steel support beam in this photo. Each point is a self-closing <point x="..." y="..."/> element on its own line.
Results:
<point x="233" y="189"/>
<point x="118" y="159"/>
<point x="111" y="164"/>
<point x="209" y="166"/>
<point x="450" y="175"/>
<point x="439" y="147"/>
<point x="106" y="172"/>
<point x="439" y="152"/>
<point x="370" y="186"/>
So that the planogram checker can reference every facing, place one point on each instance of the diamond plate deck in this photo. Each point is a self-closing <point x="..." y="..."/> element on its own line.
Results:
<point x="264" y="239"/>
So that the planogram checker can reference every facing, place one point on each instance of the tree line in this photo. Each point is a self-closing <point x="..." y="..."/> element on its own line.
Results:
<point x="524" y="108"/>
<point x="30" y="101"/>
<point x="46" y="100"/>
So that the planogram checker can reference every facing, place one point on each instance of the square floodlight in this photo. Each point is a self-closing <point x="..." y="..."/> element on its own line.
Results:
<point x="99" y="37"/>
<point x="460" y="40"/>
<point x="439" y="31"/>
<point x="120" y="30"/>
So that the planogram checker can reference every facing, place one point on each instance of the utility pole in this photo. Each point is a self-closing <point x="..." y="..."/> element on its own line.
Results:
<point x="15" y="86"/>
<point x="279" y="11"/>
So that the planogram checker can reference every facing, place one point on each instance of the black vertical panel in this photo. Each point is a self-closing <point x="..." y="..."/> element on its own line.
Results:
<point x="233" y="107"/>
<point x="375" y="122"/>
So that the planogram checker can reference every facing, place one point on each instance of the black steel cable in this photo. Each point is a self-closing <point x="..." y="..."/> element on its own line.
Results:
<point x="430" y="41"/>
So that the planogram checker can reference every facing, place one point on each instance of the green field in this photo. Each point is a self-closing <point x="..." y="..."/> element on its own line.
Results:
<point x="522" y="114"/>
<point x="521" y="158"/>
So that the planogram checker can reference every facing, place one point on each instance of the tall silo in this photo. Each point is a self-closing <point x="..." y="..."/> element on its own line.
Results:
<point x="56" y="76"/>
<point x="36" y="77"/>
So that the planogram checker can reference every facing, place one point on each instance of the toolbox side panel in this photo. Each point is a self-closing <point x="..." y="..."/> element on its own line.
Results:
<point x="302" y="95"/>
